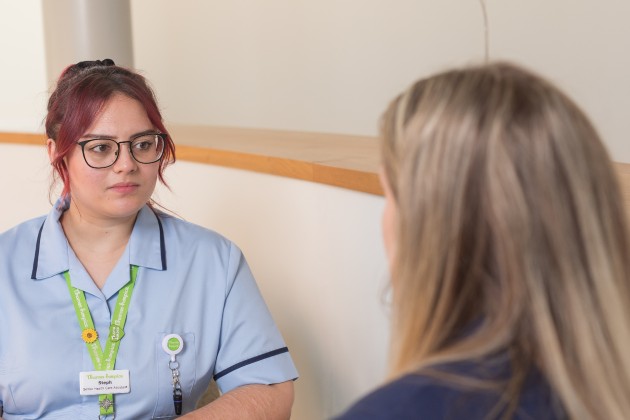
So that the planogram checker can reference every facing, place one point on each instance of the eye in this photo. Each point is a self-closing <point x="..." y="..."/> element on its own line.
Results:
<point x="99" y="146"/>
<point x="144" y="143"/>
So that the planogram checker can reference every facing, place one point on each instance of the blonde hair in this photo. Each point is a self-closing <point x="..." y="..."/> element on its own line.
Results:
<point x="509" y="218"/>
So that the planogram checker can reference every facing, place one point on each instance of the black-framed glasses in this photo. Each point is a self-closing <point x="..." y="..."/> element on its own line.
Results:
<point x="103" y="153"/>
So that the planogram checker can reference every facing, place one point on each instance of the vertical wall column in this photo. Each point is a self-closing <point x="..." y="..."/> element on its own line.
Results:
<point x="77" y="30"/>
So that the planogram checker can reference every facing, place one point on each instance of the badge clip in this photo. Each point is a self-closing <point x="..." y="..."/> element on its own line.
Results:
<point x="172" y="345"/>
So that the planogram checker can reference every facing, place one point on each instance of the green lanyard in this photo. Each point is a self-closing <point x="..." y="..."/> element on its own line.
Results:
<point x="106" y="360"/>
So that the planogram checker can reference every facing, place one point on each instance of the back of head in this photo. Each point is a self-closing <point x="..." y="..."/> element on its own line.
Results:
<point x="511" y="234"/>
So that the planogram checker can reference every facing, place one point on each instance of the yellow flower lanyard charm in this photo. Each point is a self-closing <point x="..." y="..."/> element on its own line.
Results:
<point x="89" y="335"/>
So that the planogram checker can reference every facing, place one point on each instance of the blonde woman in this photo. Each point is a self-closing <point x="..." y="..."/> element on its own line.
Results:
<point x="509" y="253"/>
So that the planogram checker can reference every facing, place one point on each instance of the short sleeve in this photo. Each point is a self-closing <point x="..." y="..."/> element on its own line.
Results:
<point x="251" y="349"/>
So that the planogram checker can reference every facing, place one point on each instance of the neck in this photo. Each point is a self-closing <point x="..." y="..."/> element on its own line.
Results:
<point x="96" y="233"/>
<point x="97" y="242"/>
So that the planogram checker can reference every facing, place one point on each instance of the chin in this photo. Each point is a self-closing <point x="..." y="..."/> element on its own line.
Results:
<point x="127" y="209"/>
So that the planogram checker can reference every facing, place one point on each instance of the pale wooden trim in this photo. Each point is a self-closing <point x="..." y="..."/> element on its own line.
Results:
<point x="623" y="170"/>
<point x="23" y="138"/>
<point x="344" y="161"/>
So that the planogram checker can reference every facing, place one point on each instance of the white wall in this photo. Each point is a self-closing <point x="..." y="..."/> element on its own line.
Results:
<point x="328" y="66"/>
<point x="23" y="86"/>
<point x="325" y="65"/>
<point x="25" y="177"/>
<point x="332" y="65"/>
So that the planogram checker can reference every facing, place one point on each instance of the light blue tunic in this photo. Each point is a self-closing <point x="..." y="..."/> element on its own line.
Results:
<point x="191" y="282"/>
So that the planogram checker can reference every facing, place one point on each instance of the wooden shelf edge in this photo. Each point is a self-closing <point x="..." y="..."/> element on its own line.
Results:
<point x="319" y="172"/>
<point x="36" y="139"/>
<point x="314" y="171"/>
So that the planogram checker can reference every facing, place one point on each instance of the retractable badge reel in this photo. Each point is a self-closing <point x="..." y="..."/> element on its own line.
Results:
<point x="172" y="345"/>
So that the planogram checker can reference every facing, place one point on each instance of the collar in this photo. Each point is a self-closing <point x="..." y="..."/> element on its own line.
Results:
<point x="52" y="253"/>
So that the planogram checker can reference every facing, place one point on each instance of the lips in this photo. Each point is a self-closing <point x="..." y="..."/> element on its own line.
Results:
<point x="124" y="187"/>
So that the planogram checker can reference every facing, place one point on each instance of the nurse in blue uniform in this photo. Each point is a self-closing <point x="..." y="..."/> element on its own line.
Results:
<point x="110" y="308"/>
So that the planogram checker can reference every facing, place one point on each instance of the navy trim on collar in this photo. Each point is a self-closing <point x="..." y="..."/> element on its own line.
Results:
<point x="36" y="259"/>
<point x="147" y="244"/>
<point x="162" y="244"/>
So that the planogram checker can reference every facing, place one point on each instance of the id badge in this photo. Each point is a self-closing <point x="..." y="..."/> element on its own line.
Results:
<point x="104" y="382"/>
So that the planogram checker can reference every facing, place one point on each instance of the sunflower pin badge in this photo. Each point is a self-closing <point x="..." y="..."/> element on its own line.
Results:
<point x="89" y="335"/>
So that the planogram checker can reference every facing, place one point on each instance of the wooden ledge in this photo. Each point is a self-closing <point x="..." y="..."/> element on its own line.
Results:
<point x="23" y="138"/>
<point x="341" y="160"/>
<point x="344" y="161"/>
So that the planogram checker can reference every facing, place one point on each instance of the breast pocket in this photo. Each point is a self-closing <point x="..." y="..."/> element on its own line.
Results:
<point x="186" y="369"/>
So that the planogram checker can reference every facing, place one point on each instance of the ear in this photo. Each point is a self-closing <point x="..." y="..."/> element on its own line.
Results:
<point x="52" y="149"/>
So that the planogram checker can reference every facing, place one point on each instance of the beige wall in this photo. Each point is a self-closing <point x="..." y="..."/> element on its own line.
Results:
<point x="23" y="87"/>
<point x="328" y="66"/>
<point x="332" y="65"/>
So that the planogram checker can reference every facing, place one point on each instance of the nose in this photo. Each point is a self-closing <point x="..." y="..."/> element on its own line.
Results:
<point x="125" y="161"/>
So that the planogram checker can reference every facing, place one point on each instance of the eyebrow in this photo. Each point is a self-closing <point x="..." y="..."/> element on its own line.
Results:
<point x="108" y="137"/>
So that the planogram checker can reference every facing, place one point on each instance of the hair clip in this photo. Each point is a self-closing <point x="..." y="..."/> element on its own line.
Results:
<point x="77" y="68"/>
<point x="95" y="63"/>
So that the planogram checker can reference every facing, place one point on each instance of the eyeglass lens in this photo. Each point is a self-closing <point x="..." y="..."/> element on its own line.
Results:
<point x="101" y="153"/>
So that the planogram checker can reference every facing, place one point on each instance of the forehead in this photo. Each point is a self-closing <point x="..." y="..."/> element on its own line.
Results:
<point x="120" y="115"/>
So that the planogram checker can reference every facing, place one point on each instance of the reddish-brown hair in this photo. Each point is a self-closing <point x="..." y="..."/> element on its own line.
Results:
<point x="82" y="91"/>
